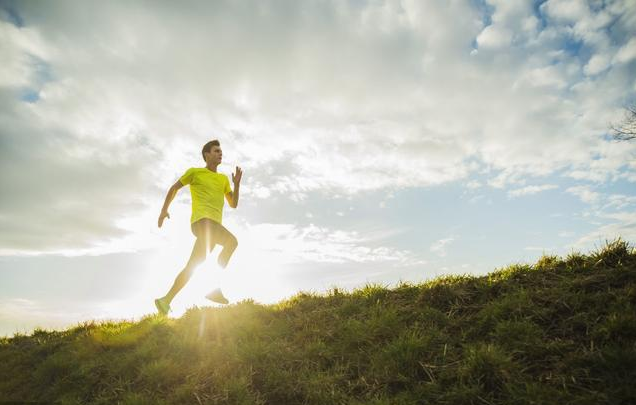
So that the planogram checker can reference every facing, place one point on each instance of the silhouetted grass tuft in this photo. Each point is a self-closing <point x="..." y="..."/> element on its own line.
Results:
<point x="562" y="330"/>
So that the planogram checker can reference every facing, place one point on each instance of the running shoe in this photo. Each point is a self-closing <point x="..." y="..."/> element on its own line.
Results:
<point x="217" y="296"/>
<point x="162" y="306"/>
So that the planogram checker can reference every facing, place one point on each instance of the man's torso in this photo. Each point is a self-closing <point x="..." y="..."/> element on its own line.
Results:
<point x="207" y="189"/>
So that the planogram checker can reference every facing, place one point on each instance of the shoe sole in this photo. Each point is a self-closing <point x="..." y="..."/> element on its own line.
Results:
<point x="218" y="301"/>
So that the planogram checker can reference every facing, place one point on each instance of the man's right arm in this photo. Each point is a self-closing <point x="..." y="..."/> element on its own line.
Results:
<point x="169" y="197"/>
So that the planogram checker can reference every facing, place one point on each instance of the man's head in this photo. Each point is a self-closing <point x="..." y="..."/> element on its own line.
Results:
<point x="212" y="150"/>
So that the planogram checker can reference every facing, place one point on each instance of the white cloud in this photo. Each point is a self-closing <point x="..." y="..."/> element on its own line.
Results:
<point x="473" y="184"/>
<point x="568" y="10"/>
<point x="20" y="50"/>
<point x="333" y="97"/>
<point x="609" y="223"/>
<point x="624" y="226"/>
<point x="283" y="244"/>
<point x="597" y="64"/>
<point x="610" y="158"/>
<point x="440" y="246"/>
<point x="529" y="190"/>
<point x="476" y="199"/>
<point x="494" y="37"/>
<point x="22" y="315"/>
<point x="512" y="22"/>
<point x="584" y="193"/>
<point x="538" y="249"/>
<point x="627" y="52"/>
<point x="618" y="201"/>
<point x="547" y="76"/>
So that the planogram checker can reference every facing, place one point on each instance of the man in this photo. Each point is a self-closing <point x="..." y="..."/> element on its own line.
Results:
<point x="207" y="188"/>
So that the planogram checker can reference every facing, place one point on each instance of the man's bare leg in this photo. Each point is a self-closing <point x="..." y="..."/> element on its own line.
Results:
<point x="229" y="244"/>
<point x="198" y="256"/>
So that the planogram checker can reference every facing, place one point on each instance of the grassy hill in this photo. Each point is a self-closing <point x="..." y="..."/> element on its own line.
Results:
<point x="560" y="331"/>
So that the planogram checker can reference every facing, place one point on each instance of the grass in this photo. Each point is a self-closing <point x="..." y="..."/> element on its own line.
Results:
<point x="560" y="331"/>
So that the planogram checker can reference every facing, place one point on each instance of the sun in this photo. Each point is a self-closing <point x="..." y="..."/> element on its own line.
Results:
<point x="254" y="271"/>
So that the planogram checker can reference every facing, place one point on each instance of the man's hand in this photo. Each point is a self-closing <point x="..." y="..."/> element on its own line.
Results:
<point x="236" y="178"/>
<point x="163" y="215"/>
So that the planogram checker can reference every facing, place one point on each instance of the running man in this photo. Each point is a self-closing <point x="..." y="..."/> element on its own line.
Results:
<point x="207" y="188"/>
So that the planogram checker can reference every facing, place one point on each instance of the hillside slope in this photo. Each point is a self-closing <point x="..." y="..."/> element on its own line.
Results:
<point x="560" y="331"/>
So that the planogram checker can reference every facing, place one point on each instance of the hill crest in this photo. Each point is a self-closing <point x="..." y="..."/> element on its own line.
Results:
<point x="562" y="330"/>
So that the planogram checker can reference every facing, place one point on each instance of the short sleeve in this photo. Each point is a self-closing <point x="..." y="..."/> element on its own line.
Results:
<point x="187" y="177"/>
<point x="227" y="186"/>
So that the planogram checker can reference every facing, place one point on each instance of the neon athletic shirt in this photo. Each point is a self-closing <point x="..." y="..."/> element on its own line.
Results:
<point x="207" y="189"/>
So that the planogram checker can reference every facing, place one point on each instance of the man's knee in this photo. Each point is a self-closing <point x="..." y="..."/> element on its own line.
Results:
<point x="233" y="242"/>
<point x="198" y="257"/>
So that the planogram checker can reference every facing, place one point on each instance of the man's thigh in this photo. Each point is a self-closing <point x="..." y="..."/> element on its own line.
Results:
<point x="199" y="252"/>
<point x="212" y="232"/>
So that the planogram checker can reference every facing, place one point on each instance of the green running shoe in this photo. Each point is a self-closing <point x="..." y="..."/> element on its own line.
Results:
<point x="162" y="306"/>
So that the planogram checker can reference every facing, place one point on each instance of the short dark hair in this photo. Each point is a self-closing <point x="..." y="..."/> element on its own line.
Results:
<point x="208" y="146"/>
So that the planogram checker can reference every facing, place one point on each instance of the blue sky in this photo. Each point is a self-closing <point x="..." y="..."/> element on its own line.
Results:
<point x="380" y="140"/>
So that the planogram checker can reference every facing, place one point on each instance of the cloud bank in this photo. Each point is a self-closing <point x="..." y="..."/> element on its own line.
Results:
<point x="104" y="105"/>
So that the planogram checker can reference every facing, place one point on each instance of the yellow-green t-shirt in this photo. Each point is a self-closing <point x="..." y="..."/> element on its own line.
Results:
<point x="208" y="190"/>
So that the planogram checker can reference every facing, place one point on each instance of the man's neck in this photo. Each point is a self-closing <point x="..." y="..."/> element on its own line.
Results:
<point x="211" y="168"/>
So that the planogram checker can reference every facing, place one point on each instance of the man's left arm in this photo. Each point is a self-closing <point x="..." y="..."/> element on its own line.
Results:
<point x="232" y="197"/>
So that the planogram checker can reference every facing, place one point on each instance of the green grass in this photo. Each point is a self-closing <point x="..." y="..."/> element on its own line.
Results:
<point x="560" y="331"/>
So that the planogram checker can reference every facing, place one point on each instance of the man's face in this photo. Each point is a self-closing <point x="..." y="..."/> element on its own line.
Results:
<point x="215" y="155"/>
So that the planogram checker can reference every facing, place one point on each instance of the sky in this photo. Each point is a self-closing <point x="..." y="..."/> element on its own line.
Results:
<point x="380" y="141"/>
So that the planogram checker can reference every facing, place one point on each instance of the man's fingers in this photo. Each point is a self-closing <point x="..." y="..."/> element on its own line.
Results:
<point x="236" y="177"/>
<point x="161" y="218"/>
